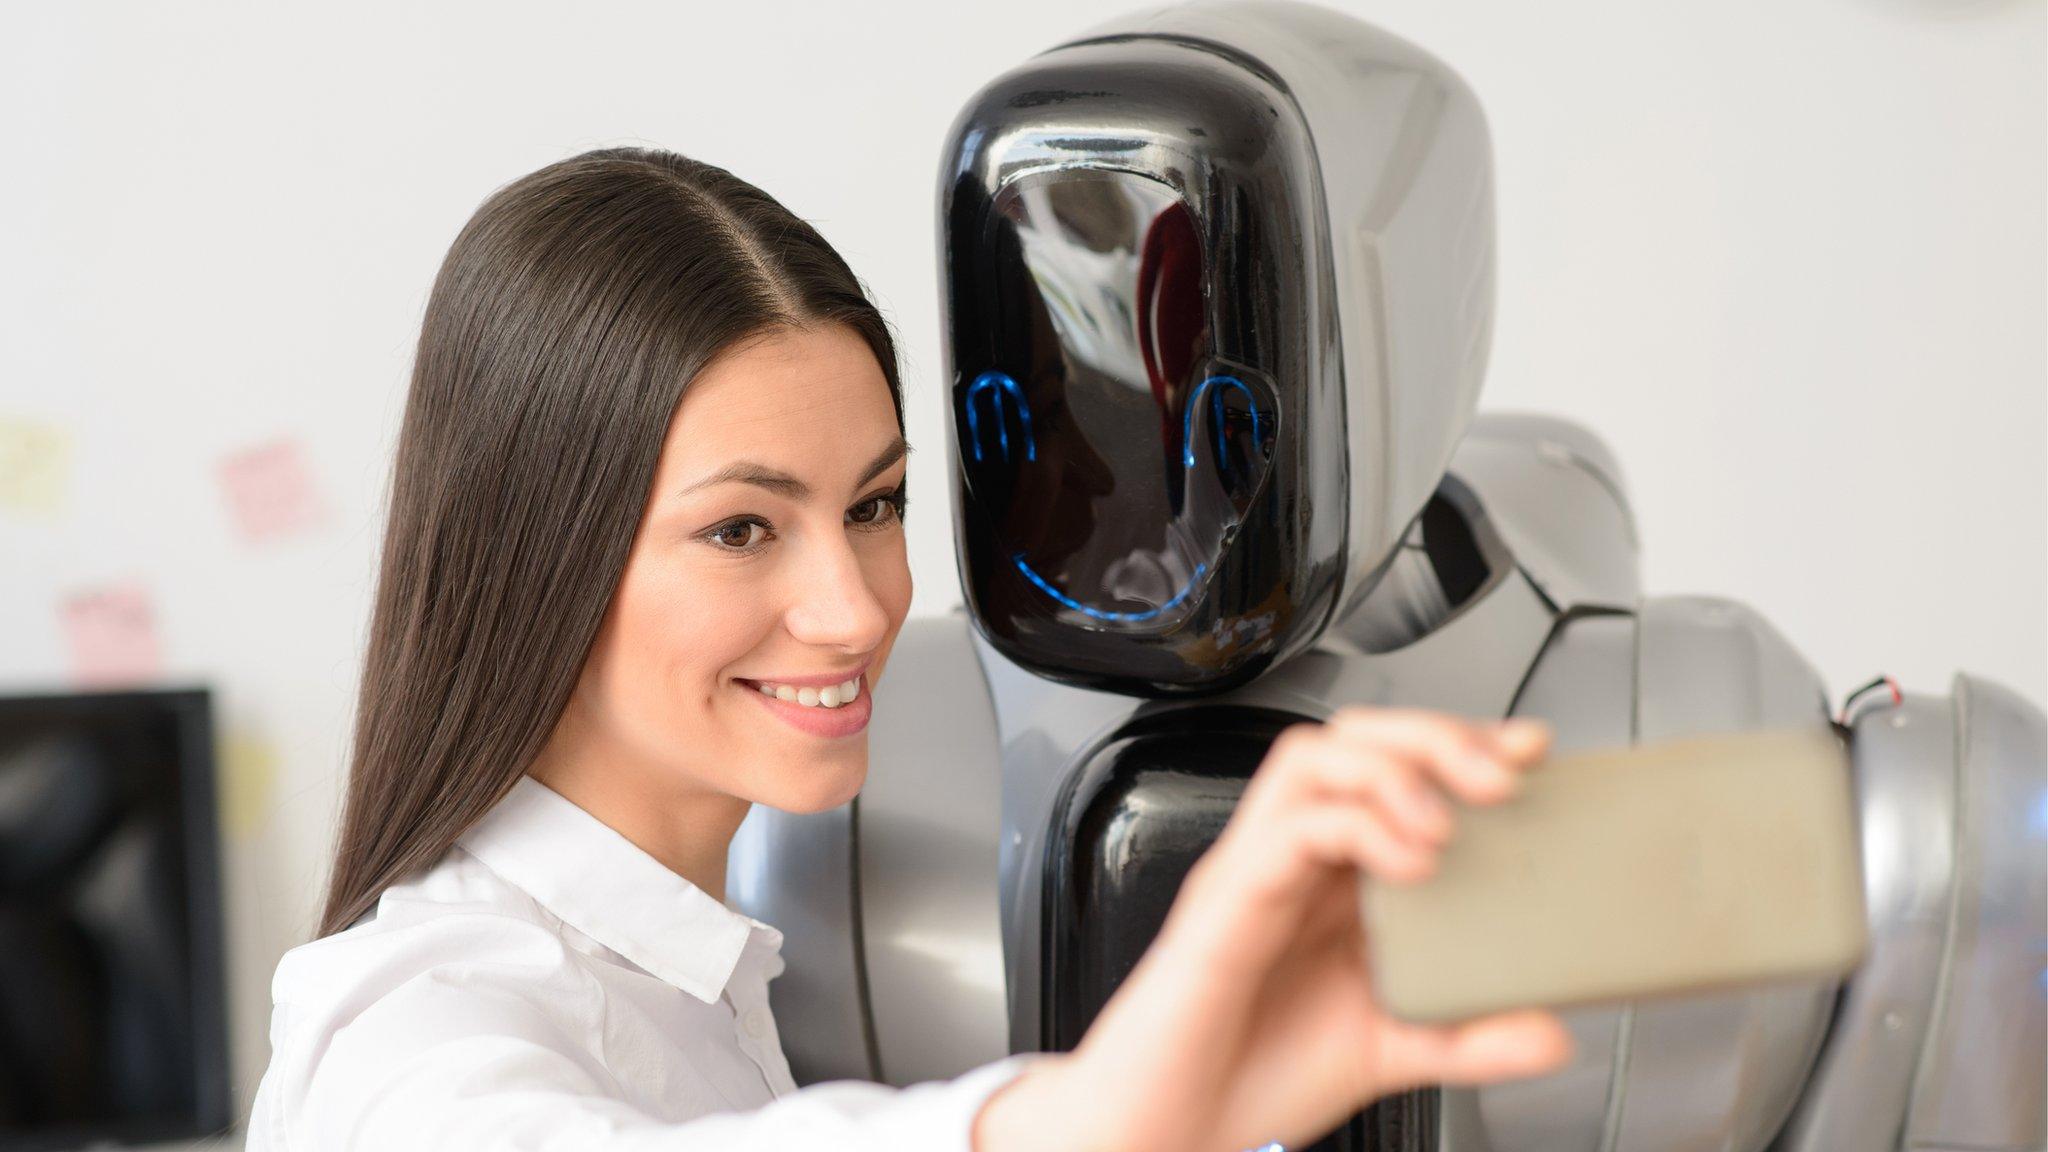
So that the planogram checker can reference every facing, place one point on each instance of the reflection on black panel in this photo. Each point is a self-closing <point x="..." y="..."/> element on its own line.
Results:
<point x="111" y="1021"/>
<point x="1119" y="461"/>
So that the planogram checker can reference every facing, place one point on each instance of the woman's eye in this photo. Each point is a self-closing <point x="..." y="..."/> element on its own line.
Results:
<point x="749" y="534"/>
<point x="737" y="536"/>
<point x="878" y="510"/>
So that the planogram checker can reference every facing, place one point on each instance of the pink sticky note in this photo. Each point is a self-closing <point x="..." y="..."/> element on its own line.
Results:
<point x="270" y="491"/>
<point x="112" y="631"/>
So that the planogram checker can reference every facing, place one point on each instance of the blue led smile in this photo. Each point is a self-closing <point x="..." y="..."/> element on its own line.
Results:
<point x="1098" y="613"/>
<point x="1187" y="430"/>
<point x="997" y="383"/>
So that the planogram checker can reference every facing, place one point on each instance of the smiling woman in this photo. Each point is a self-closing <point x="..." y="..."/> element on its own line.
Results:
<point x="643" y="567"/>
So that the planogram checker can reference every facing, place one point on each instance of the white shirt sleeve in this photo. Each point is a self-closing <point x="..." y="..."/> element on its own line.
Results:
<point x="485" y="1069"/>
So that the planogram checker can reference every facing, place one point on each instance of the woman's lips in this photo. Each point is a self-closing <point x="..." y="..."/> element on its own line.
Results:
<point x="845" y="720"/>
<point x="810" y="681"/>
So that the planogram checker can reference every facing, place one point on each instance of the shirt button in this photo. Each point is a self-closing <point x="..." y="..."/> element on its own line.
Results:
<point x="753" y="1023"/>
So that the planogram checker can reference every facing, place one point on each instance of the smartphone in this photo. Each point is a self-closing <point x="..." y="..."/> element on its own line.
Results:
<point x="1681" y="866"/>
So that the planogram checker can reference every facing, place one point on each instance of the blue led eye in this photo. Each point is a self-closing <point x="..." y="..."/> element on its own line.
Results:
<point x="995" y="384"/>
<point x="1187" y="430"/>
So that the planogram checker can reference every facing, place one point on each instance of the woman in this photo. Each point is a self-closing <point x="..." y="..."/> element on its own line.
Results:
<point x="643" y="568"/>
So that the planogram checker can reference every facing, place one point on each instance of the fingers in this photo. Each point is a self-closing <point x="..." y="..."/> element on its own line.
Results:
<point x="1507" y="1045"/>
<point x="1361" y="838"/>
<point x="1395" y="826"/>
<point x="1365" y="790"/>
<point x="1481" y="764"/>
<point x="1398" y="762"/>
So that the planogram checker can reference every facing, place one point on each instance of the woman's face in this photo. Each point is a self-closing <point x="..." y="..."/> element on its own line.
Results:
<point x="771" y="551"/>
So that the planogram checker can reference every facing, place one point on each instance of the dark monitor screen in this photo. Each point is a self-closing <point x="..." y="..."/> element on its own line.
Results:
<point x="112" y="1015"/>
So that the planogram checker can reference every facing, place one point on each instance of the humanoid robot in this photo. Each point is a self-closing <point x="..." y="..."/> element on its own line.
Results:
<point x="1219" y="283"/>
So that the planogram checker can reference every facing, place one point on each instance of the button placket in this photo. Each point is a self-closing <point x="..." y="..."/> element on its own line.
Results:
<point x="750" y="1026"/>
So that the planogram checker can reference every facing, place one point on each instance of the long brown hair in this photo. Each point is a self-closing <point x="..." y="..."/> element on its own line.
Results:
<point x="566" y="321"/>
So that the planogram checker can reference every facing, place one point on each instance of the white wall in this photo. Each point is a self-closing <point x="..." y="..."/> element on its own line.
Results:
<point x="1787" y="258"/>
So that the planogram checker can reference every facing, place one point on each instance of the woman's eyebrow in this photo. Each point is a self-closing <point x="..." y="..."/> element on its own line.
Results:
<point x="760" y="475"/>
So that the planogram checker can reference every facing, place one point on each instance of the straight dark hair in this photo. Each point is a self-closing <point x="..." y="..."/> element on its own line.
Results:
<point x="566" y="321"/>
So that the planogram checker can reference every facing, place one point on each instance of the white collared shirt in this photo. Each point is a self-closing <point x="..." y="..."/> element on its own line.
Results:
<point x="549" y="985"/>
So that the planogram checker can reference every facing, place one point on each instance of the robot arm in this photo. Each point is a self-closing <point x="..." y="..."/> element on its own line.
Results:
<point x="1937" y="1041"/>
<point x="1940" y="1035"/>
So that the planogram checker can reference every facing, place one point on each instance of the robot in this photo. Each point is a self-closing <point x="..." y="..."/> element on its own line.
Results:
<point x="1219" y="289"/>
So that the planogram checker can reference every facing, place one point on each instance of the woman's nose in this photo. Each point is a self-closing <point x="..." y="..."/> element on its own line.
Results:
<point x="832" y="602"/>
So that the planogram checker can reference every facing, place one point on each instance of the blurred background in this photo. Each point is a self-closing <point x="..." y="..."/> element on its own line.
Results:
<point x="1787" y="258"/>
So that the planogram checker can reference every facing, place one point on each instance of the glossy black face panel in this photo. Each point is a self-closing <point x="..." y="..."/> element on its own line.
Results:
<point x="1135" y="816"/>
<point x="1146" y="403"/>
<point x="1115" y="474"/>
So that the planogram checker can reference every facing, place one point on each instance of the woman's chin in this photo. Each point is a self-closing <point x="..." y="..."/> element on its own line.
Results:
<point x="826" y="790"/>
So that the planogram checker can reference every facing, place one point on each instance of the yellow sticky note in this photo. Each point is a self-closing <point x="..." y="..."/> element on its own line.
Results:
<point x="248" y="773"/>
<point x="35" y="460"/>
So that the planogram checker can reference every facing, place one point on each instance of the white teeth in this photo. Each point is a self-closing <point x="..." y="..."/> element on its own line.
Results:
<point x="830" y="696"/>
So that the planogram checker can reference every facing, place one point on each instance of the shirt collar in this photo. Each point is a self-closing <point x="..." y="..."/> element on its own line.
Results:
<point x="608" y="888"/>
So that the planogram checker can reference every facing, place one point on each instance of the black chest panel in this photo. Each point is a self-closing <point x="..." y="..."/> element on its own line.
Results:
<point x="1131" y="821"/>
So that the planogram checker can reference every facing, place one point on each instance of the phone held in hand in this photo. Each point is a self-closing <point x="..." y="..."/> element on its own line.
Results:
<point x="1687" y="865"/>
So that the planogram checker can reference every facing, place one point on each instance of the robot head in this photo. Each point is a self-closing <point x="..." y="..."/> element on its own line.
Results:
<point x="1219" y="285"/>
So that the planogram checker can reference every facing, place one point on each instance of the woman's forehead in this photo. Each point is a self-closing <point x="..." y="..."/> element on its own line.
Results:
<point x="797" y="400"/>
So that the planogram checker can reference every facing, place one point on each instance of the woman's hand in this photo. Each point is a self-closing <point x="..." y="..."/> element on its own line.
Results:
<point x="1251" y="1017"/>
